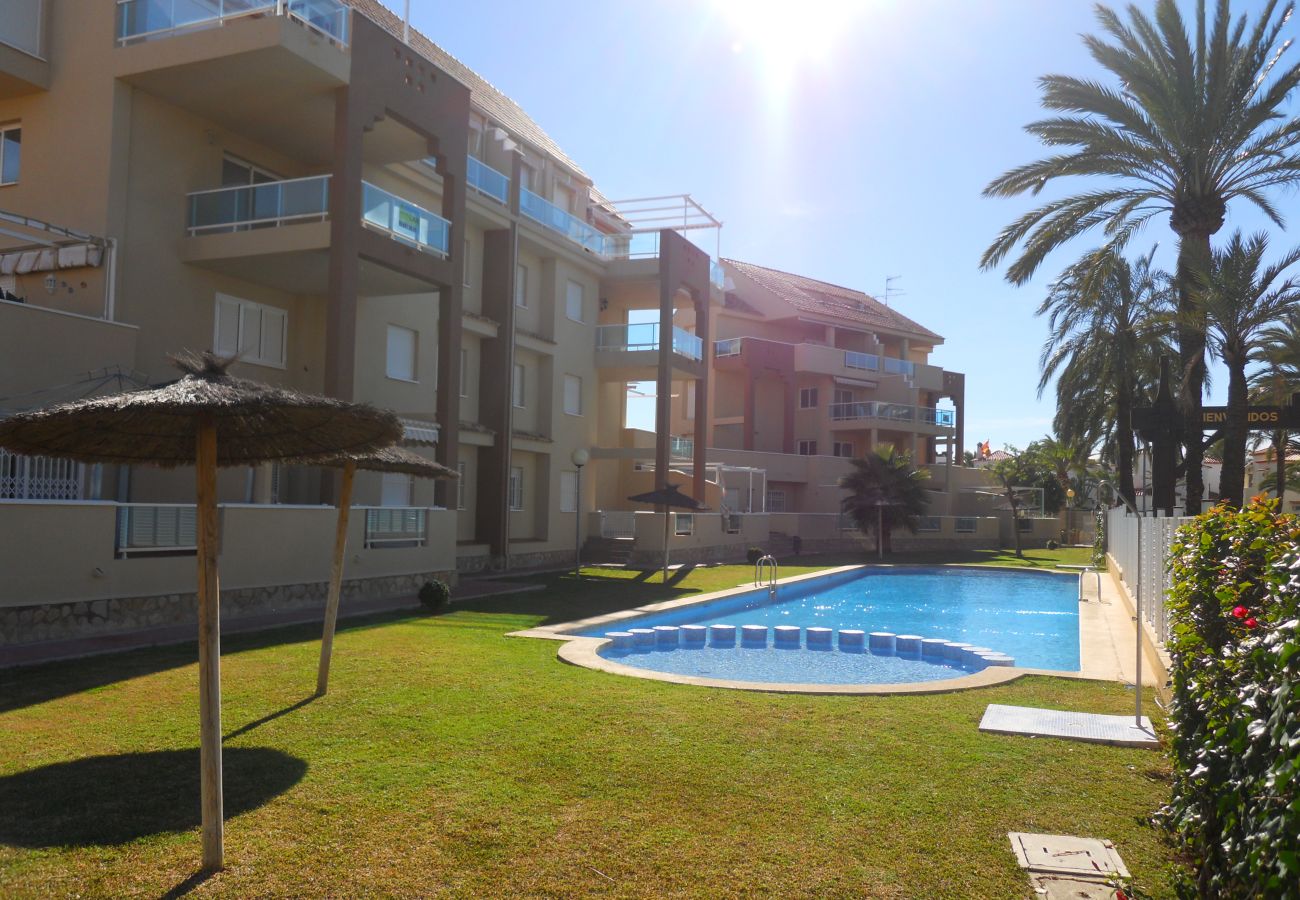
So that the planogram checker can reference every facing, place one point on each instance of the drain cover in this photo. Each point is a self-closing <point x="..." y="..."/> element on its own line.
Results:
<point x="1061" y="854"/>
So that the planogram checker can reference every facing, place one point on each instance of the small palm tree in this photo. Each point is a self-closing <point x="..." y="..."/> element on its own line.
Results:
<point x="1277" y="379"/>
<point x="1013" y="474"/>
<point x="1241" y="297"/>
<point x="885" y="493"/>
<point x="1192" y="123"/>
<point x="1108" y="327"/>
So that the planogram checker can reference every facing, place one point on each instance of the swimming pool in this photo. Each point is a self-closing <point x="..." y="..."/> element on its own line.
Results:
<point x="1031" y="617"/>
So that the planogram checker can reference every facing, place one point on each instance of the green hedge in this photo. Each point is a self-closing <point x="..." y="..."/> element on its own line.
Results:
<point x="1235" y="607"/>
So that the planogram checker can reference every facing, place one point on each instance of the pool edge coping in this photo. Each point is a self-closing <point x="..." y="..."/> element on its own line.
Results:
<point x="579" y="650"/>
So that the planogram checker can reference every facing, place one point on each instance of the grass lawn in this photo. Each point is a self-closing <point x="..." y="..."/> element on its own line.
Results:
<point x="450" y="760"/>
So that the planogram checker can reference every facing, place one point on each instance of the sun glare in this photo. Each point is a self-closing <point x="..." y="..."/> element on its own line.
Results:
<point x="784" y="33"/>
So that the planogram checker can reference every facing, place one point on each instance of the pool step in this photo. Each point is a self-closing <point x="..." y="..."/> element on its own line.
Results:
<point x="792" y="637"/>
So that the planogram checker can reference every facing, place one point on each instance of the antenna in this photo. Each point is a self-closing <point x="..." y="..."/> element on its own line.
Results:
<point x="889" y="288"/>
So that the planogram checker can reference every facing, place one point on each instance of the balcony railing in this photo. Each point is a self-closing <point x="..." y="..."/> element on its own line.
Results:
<point x="155" y="529"/>
<point x="868" y="362"/>
<point x="142" y="20"/>
<point x="728" y="347"/>
<point x="404" y="221"/>
<point x="556" y="219"/>
<point x="20" y="26"/>
<point x="892" y="412"/>
<point x="645" y="336"/>
<point x="681" y="446"/>
<point x="716" y="276"/>
<point x="488" y="181"/>
<point x="397" y="526"/>
<point x="898" y="366"/>
<point x="260" y="205"/>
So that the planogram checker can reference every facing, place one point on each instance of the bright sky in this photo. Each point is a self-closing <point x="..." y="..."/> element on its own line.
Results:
<point x="846" y="140"/>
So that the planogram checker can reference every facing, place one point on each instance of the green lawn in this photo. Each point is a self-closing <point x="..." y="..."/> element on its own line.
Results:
<point x="450" y="760"/>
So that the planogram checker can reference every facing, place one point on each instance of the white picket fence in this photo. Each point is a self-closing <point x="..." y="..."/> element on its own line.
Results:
<point x="1140" y="547"/>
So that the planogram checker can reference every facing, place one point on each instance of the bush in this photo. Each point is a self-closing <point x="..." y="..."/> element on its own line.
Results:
<point x="1052" y="545"/>
<point x="434" y="596"/>
<point x="1235" y="606"/>
<point x="754" y="554"/>
<point x="1099" y="540"/>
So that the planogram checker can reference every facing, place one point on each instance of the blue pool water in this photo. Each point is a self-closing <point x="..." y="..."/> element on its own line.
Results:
<point x="1030" y="616"/>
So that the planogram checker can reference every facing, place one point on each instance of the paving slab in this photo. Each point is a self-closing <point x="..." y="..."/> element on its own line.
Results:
<point x="1094" y="728"/>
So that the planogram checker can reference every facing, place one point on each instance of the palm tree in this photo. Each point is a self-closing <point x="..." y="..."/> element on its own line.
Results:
<point x="1193" y="124"/>
<point x="885" y="493"/>
<point x="1107" y="327"/>
<point x="1013" y="474"/>
<point x="1278" y="379"/>
<point x="1241" y="297"/>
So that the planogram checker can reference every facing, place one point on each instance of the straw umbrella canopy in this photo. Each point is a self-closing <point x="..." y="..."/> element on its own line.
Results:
<point x="668" y="496"/>
<point x="208" y="418"/>
<point x="389" y="459"/>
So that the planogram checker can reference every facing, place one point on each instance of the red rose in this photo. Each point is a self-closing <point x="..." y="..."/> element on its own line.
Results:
<point x="1239" y="612"/>
<point x="1251" y="623"/>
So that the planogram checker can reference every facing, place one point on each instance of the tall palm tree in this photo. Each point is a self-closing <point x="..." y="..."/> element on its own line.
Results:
<point x="1277" y="379"/>
<point x="885" y="493"/>
<point x="1241" y="297"/>
<point x="1193" y="123"/>
<point x="1107" y="327"/>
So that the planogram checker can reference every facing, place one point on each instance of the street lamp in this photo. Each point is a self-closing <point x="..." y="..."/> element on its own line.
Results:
<point x="1069" y="517"/>
<point x="579" y="457"/>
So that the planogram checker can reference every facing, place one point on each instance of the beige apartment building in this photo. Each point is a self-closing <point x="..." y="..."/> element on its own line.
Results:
<point x="353" y="212"/>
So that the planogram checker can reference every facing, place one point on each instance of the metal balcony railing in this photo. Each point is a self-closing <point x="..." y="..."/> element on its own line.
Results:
<point x="404" y="221"/>
<point x="143" y="20"/>
<point x="397" y="526"/>
<point x="488" y="181"/>
<point x="260" y="205"/>
<point x="645" y="336"/>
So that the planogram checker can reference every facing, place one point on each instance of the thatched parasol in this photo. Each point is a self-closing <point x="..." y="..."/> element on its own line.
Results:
<point x="208" y="418"/>
<point x="389" y="459"/>
<point x="668" y="496"/>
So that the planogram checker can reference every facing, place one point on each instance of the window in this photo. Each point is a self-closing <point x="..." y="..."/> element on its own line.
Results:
<point x="807" y="398"/>
<point x="1025" y="525"/>
<point x="464" y="372"/>
<point x="843" y="448"/>
<point x="843" y="396"/>
<point x="468" y="257"/>
<point x="527" y="176"/>
<point x="11" y="145"/>
<point x="521" y="286"/>
<point x="776" y="501"/>
<point x="401" y="353"/>
<point x="807" y="448"/>
<point x="395" y="489"/>
<point x="573" y="395"/>
<point x="930" y="525"/>
<point x="573" y="301"/>
<point x="568" y="492"/>
<point x="460" y="485"/>
<point x="683" y="523"/>
<point x="732" y="523"/>
<point x="517" y="389"/>
<point x="255" y="332"/>
<point x="964" y="525"/>
<point x="516" y="493"/>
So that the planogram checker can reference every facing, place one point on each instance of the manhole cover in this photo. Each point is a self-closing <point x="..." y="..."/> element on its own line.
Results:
<point x="1062" y="854"/>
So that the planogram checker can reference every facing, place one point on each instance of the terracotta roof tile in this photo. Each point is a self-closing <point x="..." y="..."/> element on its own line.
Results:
<point x="821" y="298"/>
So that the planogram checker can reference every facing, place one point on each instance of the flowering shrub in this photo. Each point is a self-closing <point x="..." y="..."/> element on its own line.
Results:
<point x="1235" y="606"/>
<point x="1099" y="540"/>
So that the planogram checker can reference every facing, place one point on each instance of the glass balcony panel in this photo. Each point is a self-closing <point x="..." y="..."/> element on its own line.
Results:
<point x="329" y="17"/>
<point x="488" y="181"/>
<point x="899" y="366"/>
<point x="716" y="276"/>
<point x="259" y="205"/>
<point x="20" y="26"/>
<point x="866" y="361"/>
<point x="143" y="19"/>
<point x="728" y="347"/>
<point x="687" y="344"/>
<point x="556" y="219"/>
<point x="404" y="221"/>
<point x="682" y="446"/>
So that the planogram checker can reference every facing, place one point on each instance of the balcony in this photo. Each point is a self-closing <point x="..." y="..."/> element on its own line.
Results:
<point x="645" y="336"/>
<point x="23" y="67"/>
<point x="144" y="20"/>
<point x="892" y="412"/>
<point x="488" y="181"/>
<point x="682" y="447"/>
<point x="562" y="222"/>
<point x="278" y="234"/>
<point x="728" y="347"/>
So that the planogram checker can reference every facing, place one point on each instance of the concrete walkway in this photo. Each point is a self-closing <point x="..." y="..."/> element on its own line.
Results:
<point x="72" y="648"/>
<point x="1108" y="636"/>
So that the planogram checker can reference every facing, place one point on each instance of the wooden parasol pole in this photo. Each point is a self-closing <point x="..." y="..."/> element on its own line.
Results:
<point x="336" y="578"/>
<point x="209" y="590"/>
<point x="665" y="543"/>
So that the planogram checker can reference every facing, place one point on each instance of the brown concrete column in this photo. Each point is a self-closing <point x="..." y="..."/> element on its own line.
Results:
<point x="748" y="409"/>
<point x="451" y="166"/>
<point x="496" y="373"/>
<point x="702" y="331"/>
<point x="345" y="224"/>
<point x="787" y="423"/>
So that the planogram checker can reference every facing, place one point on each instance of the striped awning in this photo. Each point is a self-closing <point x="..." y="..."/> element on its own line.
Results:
<point x="856" y="382"/>
<point x="419" y="433"/>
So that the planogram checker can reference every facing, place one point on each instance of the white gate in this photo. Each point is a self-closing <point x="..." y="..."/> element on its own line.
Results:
<point x="39" y="478"/>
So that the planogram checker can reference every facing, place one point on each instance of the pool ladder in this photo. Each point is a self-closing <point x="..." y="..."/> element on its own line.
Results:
<point x="767" y="564"/>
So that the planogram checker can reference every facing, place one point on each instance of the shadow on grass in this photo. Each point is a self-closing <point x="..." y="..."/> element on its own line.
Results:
<point x="270" y="717"/>
<point x="28" y="685"/>
<point x="566" y="597"/>
<point x="107" y="800"/>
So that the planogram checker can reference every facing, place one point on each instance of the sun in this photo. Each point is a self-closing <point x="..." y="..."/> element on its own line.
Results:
<point x="784" y="33"/>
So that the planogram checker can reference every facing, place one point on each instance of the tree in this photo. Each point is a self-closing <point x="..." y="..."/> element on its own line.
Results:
<point x="1108" y="326"/>
<point x="1277" y="380"/>
<point x="885" y="493"/>
<point x="1193" y="123"/>
<point x="1241" y="297"/>
<point x="1016" y="472"/>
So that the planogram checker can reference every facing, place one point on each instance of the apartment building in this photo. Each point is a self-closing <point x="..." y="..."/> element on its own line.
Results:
<point x="354" y="212"/>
